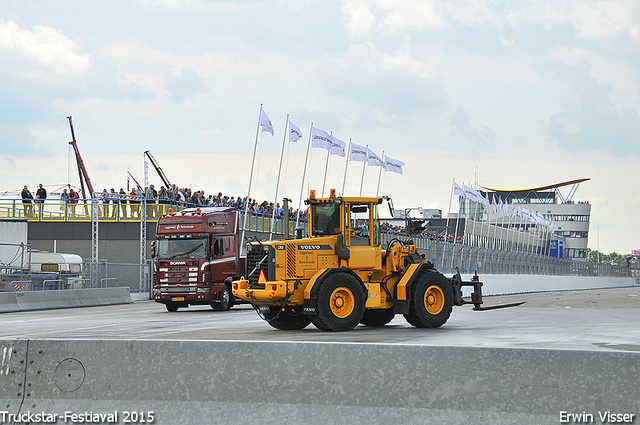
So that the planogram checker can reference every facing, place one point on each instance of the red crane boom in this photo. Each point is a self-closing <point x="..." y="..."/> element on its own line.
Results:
<point x="82" y="171"/>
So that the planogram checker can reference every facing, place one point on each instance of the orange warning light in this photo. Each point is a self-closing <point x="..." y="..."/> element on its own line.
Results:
<point x="332" y="193"/>
<point x="312" y="194"/>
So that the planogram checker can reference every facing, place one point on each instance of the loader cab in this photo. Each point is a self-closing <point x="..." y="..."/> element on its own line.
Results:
<point x="356" y="219"/>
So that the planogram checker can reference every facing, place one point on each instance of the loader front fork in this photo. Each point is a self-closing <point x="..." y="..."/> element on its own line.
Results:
<point x="476" y="296"/>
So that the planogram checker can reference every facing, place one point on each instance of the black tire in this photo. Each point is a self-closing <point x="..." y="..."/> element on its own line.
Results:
<point x="431" y="301"/>
<point x="171" y="307"/>
<point x="291" y="319"/>
<point x="377" y="317"/>
<point x="225" y="300"/>
<point x="341" y="302"/>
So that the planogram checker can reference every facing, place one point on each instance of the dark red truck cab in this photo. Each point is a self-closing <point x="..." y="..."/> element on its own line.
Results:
<point x="196" y="256"/>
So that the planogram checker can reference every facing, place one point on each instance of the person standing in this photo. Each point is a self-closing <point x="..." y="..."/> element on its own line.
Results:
<point x="113" y="196"/>
<point x="41" y="195"/>
<point x="26" y="202"/>
<point x="122" y="195"/>
<point x="64" y="199"/>
<point x="73" y="200"/>
<point x="151" y="195"/>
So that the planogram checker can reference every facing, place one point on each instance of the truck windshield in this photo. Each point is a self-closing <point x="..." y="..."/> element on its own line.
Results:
<point x="326" y="219"/>
<point x="174" y="249"/>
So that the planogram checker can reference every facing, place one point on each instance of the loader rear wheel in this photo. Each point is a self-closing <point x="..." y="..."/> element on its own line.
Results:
<point x="341" y="303"/>
<point x="288" y="320"/>
<point x="431" y="301"/>
<point x="377" y="317"/>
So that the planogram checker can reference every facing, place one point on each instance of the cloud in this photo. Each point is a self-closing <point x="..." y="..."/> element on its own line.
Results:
<point x="478" y="134"/>
<point x="590" y="121"/>
<point x="185" y="85"/>
<point x="44" y="46"/>
<point x="359" y="19"/>
<point x="392" y="83"/>
<point x="590" y="20"/>
<point x="15" y="140"/>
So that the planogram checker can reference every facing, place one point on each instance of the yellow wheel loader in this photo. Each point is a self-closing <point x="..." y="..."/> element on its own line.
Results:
<point x="340" y="275"/>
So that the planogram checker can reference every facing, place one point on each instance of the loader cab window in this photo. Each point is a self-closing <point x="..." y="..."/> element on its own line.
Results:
<point x="359" y="225"/>
<point x="364" y="226"/>
<point x="326" y="219"/>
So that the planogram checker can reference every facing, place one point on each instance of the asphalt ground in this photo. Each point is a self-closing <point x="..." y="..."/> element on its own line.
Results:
<point x="591" y="320"/>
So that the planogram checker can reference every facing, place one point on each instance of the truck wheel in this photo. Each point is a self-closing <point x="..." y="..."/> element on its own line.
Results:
<point x="377" y="317"/>
<point x="341" y="303"/>
<point x="287" y="320"/>
<point x="225" y="299"/>
<point x="172" y="307"/>
<point x="431" y="301"/>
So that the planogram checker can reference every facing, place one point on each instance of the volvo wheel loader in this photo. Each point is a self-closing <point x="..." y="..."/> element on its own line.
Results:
<point x="340" y="275"/>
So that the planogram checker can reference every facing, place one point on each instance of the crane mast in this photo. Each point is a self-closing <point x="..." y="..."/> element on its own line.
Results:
<point x="164" y="178"/>
<point x="82" y="171"/>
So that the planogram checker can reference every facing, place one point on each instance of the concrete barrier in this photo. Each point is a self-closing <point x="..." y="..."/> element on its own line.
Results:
<point x="45" y="300"/>
<point x="499" y="284"/>
<point x="8" y="302"/>
<point x="231" y="382"/>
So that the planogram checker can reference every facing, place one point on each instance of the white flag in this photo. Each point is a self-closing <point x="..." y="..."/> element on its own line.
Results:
<point x="321" y="139"/>
<point x="457" y="190"/>
<point x="358" y="153"/>
<point x="338" y="147"/>
<point x="146" y="174"/>
<point x="294" y="132"/>
<point x="393" y="165"/>
<point x="265" y="123"/>
<point x="374" y="160"/>
<point x="472" y="194"/>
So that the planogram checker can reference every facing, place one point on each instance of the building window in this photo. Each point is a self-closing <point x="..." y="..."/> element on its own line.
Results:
<point x="571" y="217"/>
<point x="576" y="253"/>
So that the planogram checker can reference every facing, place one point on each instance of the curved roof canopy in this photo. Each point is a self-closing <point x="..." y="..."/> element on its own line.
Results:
<point x="533" y="189"/>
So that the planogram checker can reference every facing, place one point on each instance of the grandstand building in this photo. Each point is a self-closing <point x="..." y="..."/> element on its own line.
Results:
<point x="569" y="218"/>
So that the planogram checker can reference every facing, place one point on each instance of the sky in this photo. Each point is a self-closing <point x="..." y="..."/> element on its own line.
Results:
<point x="502" y="94"/>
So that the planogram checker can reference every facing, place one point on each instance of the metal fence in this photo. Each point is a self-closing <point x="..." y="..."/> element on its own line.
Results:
<point x="447" y="256"/>
<point x="113" y="275"/>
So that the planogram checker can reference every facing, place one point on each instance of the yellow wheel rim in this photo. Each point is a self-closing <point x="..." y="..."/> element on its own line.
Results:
<point x="434" y="299"/>
<point x="342" y="302"/>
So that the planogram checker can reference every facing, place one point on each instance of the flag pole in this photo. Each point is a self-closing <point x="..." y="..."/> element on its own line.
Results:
<point x="326" y="165"/>
<point x="346" y="166"/>
<point x="446" y="229"/>
<point x="273" y="215"/>
<point x="253" y="160"/>
<point x="380" y="174"/>
<point x="304" y="174"/>
<point x="364" y="167"/>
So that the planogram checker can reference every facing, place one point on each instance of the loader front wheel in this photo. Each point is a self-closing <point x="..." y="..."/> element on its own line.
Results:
<point x="431" y="301"/>
<point x="341" y="303"/>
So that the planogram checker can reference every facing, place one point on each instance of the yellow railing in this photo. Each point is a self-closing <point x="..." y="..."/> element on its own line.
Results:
<point x="56" y="210"/>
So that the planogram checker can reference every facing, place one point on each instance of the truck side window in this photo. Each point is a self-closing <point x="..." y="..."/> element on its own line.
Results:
<point x="217" y="249"/>
<point x="222" y="245"/>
